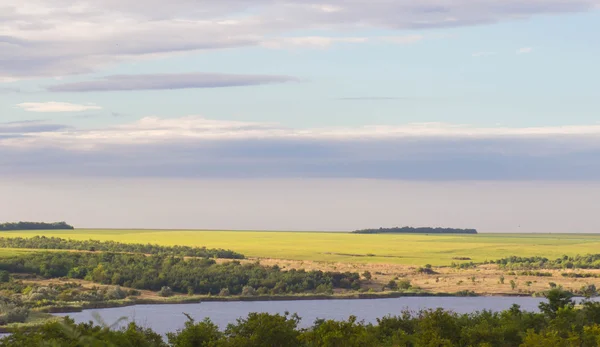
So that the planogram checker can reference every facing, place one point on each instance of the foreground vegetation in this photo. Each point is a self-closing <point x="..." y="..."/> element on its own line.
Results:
<point x="405" y="249"/>
<point x="559" y="323"/>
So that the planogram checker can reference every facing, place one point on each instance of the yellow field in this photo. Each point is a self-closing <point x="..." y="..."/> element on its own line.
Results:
<point x="350" y="248"/>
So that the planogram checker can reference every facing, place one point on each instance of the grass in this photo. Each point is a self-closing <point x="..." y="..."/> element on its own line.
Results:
<point x="346" y="247"/>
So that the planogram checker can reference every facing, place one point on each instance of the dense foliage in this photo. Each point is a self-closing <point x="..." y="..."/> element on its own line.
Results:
<point x="43" y="242"/>
<point x="420" y="230"/>
<point x="558" y="324"/>
<point x="590" y="261"/>
<point x="18" y="298"/>
<point x="35" y="226"/>
<point x="195" y="275"/>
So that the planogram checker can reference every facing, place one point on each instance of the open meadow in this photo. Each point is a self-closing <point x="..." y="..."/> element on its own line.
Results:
<point x="405" y="249"/>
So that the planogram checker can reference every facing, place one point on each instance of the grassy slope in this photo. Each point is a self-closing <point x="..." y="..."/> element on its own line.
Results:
<point x="397" y="248"/>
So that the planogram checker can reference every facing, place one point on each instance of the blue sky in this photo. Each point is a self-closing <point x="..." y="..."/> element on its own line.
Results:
<point x="434" y="91"/>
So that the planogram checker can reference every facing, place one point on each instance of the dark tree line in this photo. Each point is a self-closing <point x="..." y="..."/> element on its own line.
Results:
<point x="558" y="324"/>
<point x="193" y="276"/>
<point x="43" y="242"/>
<point x="589" y="261"/>
<point x="35" y="226"/>
<point x="419" y="230"/>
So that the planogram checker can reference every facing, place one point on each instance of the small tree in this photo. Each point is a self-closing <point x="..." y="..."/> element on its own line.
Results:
<point x="248" y="291"/>
<point x="392" y="285"/>
<point x="367" y="275"/>
<point x="501" y="279"/>
<point x="404" y="284"/>
<point x="589" y="291"/>
<point x="557" y="299"/>
<point x="204" y="333"/>
<point x="513" y="284"/>
<point x="4" y="276"/>
<point x="165" y="291"/>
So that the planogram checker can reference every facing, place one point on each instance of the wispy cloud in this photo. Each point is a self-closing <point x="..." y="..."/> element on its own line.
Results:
<point x="200" y="147"/>
<point x="169" y="81"/>
<point x="62" y="38"/>
<point x="53" y="106"/>
<point x="28" y="127"/>
<point x="525" y="50"/>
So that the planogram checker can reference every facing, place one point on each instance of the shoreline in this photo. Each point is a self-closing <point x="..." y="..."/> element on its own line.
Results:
<point x="298" y="297"/>
<point x="182" y="300"/>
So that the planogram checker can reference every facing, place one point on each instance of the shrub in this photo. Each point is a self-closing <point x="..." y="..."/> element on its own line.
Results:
<point x="133" y="292"/>
<point x="248" y="291"/>
<point x="12" y="313"/>
<point x="367" y="275"/>
<point x="165" y="291"/>
<point x="404" y="284"/>
<point x="4" y="276"/>
<point x="115" y="293"/>
<point x="392" y="285"/>
<point x="224" y="292"/>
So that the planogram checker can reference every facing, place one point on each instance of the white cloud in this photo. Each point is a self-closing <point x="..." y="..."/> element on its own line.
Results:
<point x="54" y="106"/>
<point x="150" y="130"/>
<point x="65" y="37"/>
<point x="525" y="50"/>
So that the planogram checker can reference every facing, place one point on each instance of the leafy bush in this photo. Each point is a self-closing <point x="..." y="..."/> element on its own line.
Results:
<point x="12" y="313"/>
<point x="116" y="293"/>
<point x="165" y="291"/>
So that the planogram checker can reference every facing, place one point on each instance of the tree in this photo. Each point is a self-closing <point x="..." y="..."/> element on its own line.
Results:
<point x="165" y="291"/>
<point x="201" y="334"/>
<point x="264" y="329"/>
<point x="557" y="299"/>
<point x="4" y="276"/>
<point x="589" y="291"/>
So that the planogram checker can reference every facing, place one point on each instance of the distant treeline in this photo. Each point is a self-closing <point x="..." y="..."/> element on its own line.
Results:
<point x="420" y="230"/>
<point x="35" y="226"/>
<point x="590" y="261"/>
<point x="43" y="242"/>
<point x="194" y="276"/>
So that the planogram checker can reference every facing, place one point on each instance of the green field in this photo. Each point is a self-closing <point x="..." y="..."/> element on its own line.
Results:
<point x="346" y="247"/>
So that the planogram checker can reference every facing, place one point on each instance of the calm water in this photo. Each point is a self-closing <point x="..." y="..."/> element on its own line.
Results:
<point x="167" y="318"/>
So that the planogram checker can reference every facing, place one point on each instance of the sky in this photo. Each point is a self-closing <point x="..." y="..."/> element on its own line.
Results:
<point x="416" y="108"/>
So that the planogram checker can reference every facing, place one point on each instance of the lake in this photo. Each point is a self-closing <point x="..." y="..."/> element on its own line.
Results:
<point x="168" y="318"/>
